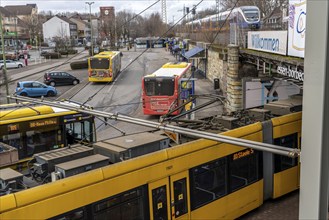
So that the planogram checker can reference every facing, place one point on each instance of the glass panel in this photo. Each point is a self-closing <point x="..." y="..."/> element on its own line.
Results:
<point x="72" y="215"/>
<point x="159" y="200"/>
<point x="180" y="197"/>
<point x="159" y="86"/>
<point x="37" y="141"/>
<point x="128" y="205"/>
<point x="283" y="162"/>
<point x="96" y="63"/>
<point x="208" y="182"/>
<point x="243" y="169"/>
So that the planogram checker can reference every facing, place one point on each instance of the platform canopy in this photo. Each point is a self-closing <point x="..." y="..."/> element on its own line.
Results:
<point x="196" y="52"/>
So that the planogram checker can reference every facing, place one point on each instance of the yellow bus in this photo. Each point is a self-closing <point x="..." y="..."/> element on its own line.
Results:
<point x="202" y="179"/>
<point x="104" y="67"/>
<point x="34" y="128"/>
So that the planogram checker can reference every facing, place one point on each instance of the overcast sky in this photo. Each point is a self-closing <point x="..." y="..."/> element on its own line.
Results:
<point x="136" y="6"/>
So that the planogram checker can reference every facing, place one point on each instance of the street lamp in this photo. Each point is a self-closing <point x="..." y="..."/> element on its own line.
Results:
<point x="4" y="69"/>
<point x="91" y="28"/>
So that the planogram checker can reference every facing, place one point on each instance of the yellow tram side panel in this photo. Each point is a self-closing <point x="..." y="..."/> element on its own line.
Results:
<point x="74" y="192"/>
<point x="175" y="65"/>
<point x="288" y="180"/>
<point x="48" y="200"/>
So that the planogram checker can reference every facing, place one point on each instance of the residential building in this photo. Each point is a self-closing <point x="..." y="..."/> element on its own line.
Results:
<point x="15" y="31"/>
<point x="83" y="28"/>
<point x="28" y="27"/>
<point x="59" y="27"/>
<point x="94" y="24"/>
<point x="276" y="20"/>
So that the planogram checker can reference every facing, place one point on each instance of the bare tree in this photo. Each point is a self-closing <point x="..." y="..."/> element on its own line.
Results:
<point x="154" y="25"/>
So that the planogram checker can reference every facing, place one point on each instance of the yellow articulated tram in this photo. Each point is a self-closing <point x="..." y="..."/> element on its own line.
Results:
<point x="31" y="129"/>
<point x="104" y="67"/>
<point x="202" y="179"/>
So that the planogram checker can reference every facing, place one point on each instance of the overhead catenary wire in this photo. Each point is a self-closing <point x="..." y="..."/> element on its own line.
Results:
<point x="136" y="58"/>
<point x="170" y="128"/>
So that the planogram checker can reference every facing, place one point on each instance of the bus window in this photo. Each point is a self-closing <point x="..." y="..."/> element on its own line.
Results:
<point x="96" y="63"/>
<point x="159" y="87"/>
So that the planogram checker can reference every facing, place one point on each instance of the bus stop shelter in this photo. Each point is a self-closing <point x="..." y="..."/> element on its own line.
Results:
<point x="198" y="57"/>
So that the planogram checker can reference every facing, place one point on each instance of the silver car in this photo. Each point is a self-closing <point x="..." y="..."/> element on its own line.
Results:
<point x="11" y="64"/>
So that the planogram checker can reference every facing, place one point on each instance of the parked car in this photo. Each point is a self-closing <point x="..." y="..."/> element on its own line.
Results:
<point x="54" y="78"/>
<point x="11" y="64"/>
<point x="34" y="88"/>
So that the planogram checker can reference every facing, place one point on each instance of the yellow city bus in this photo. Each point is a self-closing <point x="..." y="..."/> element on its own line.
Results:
<point x="104" y="67"/>
<point x="34" y="128"/>
<point x="201" y="179"/>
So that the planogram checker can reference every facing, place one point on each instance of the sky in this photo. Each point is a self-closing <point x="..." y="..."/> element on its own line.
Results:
<point x="173" y="6"/>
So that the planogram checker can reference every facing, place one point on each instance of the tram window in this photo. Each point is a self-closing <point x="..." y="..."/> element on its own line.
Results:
<point x="283" y="162"/>
<point x="15" y="140"/>
<point x="38" y="141"/>
<point x="79" y="131"/>
<point x="180" y="197"/>
<point x="79" y="214"/>
<point x="127" y="205"/>
<point x="243" y="169"/>
<point x="208" y="182"/>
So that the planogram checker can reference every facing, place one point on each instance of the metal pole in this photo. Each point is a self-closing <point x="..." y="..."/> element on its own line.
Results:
<point x="4" y="69"/>
<point x="199" y="134"/>
<point x="16" y="37"/>
<point x="313" y="197"/>
<point x="91" y="29"/>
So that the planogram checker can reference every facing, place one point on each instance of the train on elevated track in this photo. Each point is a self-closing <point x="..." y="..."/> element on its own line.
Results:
<point x="243" y="17"/>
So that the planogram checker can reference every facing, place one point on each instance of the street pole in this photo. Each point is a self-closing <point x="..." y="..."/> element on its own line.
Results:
<point x="4" y="69"/>
<point x="16" y="49"/>
<point x="91" y="28"/>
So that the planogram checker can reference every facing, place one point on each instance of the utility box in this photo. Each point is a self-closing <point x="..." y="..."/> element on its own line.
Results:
<point x="258" y="114"/>
<point x="10" y="179"/>
<point x="228" y="122"/>
<point x="46" y="161"/>
<point x="81" y="165"/>
<point x="287" y="106"/>
<point x="8" y="154"/>
<point x="130" y="146"/>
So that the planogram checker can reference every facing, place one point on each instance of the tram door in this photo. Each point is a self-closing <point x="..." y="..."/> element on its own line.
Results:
<point x="168" y="198"/>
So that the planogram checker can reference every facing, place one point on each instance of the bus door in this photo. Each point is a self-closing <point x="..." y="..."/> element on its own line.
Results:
<point x="168" y="197"/>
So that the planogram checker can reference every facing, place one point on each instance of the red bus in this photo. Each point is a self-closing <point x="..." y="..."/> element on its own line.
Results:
<point x="161" y="89"/>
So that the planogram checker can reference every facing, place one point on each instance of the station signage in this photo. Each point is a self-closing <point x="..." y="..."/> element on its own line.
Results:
<point x="268" y="41"/>
<point x="294" y="74"/>
<point x="296" y="28"/>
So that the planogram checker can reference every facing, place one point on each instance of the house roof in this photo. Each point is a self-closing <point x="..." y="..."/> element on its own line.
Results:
<point x="80" y="20"/>
<point x="19" y="9"/>
<point x="5" y="12"/>
<point x="66" y="19"/>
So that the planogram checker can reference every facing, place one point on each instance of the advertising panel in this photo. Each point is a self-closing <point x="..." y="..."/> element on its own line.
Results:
<point x="258" y="92"/>
<point x="268" y="41"/>
<point x="296" y="28"/>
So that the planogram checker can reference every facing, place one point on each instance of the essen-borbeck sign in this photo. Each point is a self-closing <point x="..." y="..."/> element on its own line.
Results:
<point x="268" y="41"/>
<point x="295" y="74"/>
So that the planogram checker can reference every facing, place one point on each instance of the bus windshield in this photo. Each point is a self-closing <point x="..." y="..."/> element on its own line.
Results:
<point x="96" y="63"/>
<point x="159" y="86"/>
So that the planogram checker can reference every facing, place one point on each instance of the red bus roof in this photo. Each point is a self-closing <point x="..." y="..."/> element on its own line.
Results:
<point x="171" y="70"/>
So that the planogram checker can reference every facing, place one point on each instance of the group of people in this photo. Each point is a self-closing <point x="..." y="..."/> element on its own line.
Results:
<point x="176" y="47"/>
